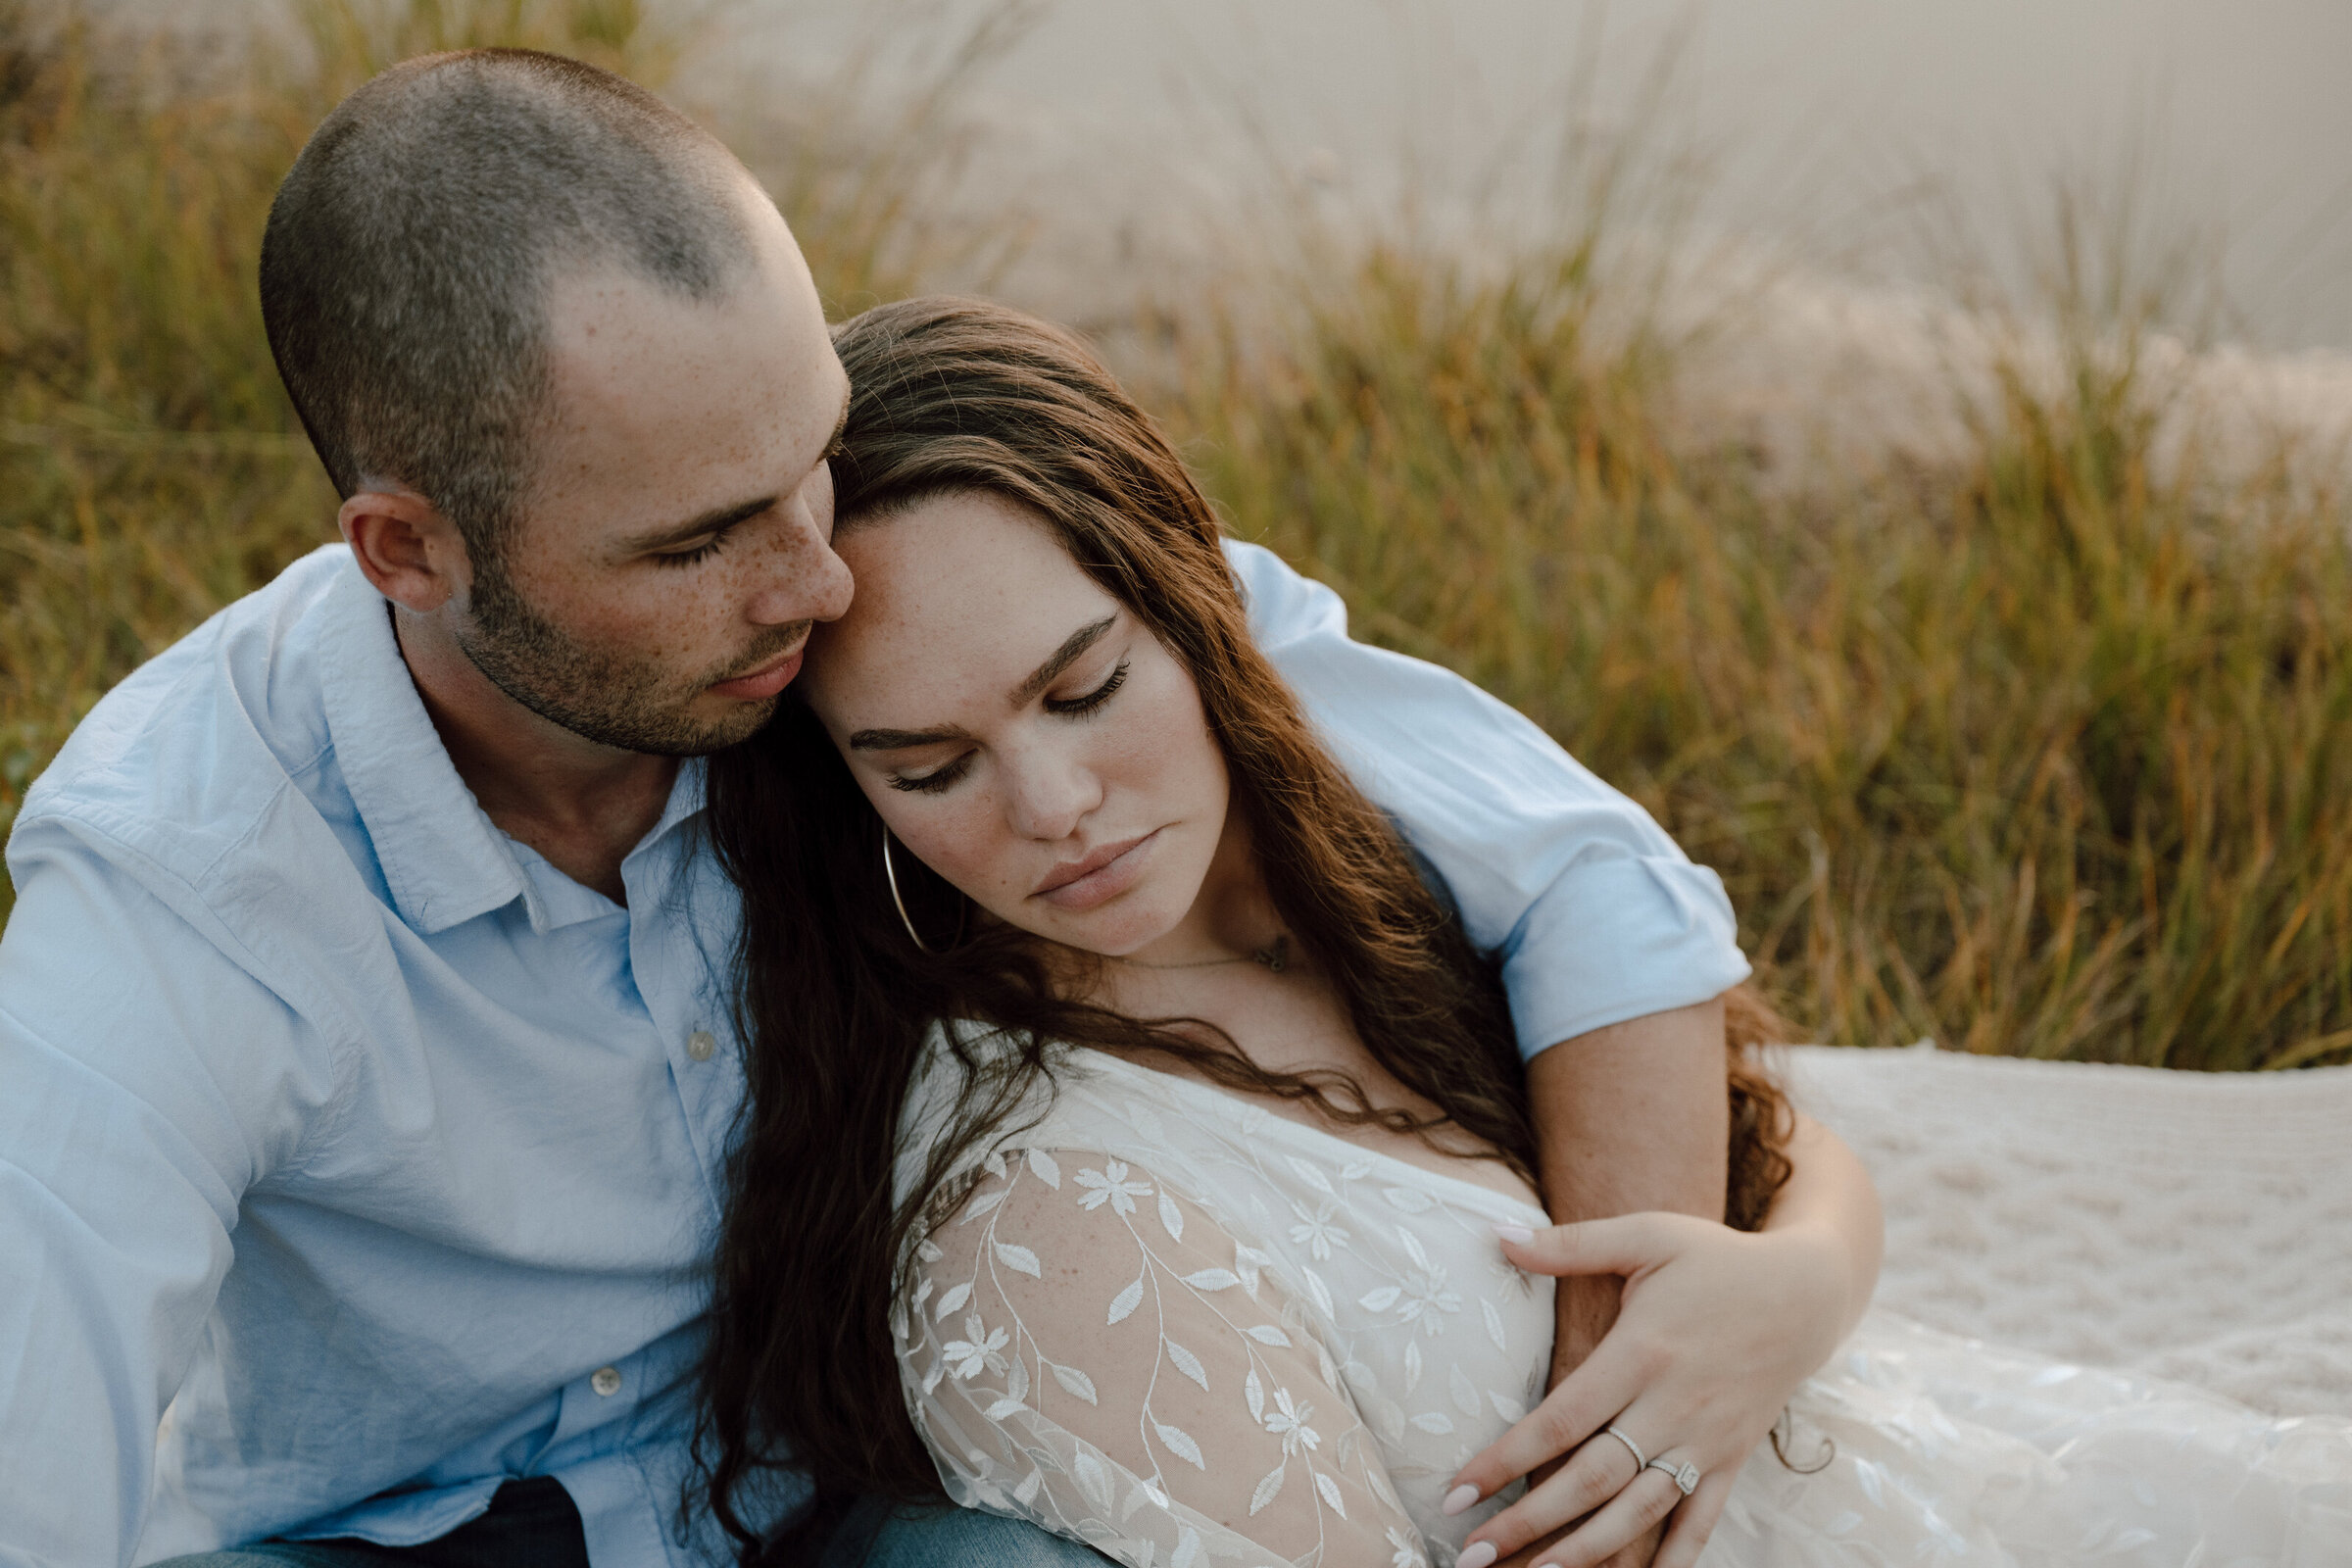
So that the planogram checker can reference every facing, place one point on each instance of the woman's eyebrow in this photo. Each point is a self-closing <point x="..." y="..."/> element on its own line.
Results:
<point x="1072" y="647"/>
<point x="899" y="740"/>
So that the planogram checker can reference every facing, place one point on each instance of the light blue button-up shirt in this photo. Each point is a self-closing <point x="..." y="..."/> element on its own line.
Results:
<point x="352" y="1159"/>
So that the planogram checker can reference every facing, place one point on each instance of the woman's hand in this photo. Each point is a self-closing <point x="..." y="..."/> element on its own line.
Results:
<point x="1716" y="1329"/>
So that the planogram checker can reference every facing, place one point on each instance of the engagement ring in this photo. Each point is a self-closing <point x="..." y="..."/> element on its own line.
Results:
<point x="1684" y="1475"/>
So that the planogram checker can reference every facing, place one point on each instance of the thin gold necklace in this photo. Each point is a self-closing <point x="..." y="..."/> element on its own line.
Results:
<point x="1275" y="956"/>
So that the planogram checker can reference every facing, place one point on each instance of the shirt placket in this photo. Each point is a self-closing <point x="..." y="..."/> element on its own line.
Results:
<point x="677" y="952"/>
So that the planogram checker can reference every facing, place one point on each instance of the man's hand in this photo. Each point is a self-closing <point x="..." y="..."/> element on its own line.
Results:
<point x="1629" y="1118"/>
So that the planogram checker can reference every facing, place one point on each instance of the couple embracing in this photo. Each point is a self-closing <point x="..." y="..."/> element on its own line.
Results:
<point x="785" y="955"/>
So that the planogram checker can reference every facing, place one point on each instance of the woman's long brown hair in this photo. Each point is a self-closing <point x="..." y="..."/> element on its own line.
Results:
<point x="835" y="1000"/>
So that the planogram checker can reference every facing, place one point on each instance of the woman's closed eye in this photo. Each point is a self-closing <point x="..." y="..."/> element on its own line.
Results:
<point x="936" y="781"/>
<point x="1079" y="706"/>
<point x="945" y="775"/>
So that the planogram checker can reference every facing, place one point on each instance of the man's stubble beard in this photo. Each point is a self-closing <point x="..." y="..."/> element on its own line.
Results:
<point x="593" y="694"/>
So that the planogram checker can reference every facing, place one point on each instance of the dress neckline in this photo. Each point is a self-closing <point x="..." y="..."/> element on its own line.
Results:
<point x="1321" y="1141"/>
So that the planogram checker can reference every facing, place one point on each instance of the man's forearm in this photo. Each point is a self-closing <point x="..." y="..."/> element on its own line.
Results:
<point x="1631" y="1117"/>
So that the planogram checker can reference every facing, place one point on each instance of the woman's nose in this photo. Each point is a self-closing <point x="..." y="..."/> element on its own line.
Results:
<point x="1050" y="794"/>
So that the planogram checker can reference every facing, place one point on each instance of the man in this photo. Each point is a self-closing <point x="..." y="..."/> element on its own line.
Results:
<point x="364" y="1013"/>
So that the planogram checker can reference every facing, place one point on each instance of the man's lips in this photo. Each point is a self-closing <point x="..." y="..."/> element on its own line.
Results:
<point x="1100" y="877"/>
<point x="766" y="680"/>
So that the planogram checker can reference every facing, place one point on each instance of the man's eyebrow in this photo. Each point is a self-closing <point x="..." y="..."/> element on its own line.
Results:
<point x="715" y="520"/>
<point x="1076" y="644"/>
<point x="899" y="740"/>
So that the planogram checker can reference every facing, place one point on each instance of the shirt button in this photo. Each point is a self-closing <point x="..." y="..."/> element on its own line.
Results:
<point x="700" y="1044"/>
<point x="606" y="1380"/>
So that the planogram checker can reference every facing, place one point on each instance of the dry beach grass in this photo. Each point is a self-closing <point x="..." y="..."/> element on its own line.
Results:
<point x="2044" y="747"/>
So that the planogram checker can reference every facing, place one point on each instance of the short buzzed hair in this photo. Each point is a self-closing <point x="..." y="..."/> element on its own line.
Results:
<point x="409" y="253"/>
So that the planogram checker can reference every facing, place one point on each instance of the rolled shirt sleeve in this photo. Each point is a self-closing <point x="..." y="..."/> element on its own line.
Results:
<point x="1598" y="915"/>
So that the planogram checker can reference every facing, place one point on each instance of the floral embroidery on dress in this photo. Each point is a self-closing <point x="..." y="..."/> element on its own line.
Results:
<point x="1190" y="1333"/>
<point x="1128" y="1333"/>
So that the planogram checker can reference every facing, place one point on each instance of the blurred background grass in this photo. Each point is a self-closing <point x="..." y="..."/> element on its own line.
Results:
<point x="2045" y="750"/>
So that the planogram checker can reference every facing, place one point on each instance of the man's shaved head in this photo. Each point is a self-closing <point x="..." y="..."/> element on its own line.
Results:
<point x="410" y="253"/>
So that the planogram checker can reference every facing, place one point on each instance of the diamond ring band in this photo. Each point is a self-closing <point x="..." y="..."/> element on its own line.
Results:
<point x="1640" y="1460"/>
<point x="1684" y="1475"/>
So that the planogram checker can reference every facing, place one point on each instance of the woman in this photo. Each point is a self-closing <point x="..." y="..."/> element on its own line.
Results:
<point x="1158" y="1133"/>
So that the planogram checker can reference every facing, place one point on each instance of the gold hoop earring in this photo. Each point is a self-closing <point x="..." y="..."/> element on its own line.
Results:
<point x="889" y="874"/>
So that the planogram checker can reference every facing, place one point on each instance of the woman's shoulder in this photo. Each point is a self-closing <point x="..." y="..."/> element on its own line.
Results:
<point x="970" y="1072"/>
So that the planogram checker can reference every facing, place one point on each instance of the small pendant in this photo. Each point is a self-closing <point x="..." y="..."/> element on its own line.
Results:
<point x="1275" y="955"/>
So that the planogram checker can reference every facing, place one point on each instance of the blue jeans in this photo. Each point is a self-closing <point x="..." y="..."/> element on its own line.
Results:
<point x="877" y="1536"/>
<point x="533" y="1524"/>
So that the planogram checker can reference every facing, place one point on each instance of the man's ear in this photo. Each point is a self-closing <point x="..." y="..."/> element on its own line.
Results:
<point x="413" y="554"/>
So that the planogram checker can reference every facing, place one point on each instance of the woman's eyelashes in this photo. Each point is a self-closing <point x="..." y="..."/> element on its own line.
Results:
<point x="946" y="774"/>
<point x="939" y="778"/>
<point x="1079" y="706"/>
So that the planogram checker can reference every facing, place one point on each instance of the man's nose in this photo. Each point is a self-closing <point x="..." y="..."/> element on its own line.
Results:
<point x="800" y="578"/>
<point x="1050" y="795"/>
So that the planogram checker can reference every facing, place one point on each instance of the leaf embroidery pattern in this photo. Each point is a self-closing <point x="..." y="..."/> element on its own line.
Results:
<point x="1238" y="1306"/>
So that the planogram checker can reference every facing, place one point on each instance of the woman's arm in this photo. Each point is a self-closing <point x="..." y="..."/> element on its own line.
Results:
<point x="1831" y="1193"/>
<point x="1719" y="1330"/>
<point x="1087" y="1349"/>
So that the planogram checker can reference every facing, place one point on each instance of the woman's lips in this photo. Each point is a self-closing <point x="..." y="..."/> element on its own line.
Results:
<point x="765" y="681"/>
<point x="1100" y="877"/>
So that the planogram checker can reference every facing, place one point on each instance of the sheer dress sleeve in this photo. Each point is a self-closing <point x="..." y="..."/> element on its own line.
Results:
<point x="1086" y="1348"/>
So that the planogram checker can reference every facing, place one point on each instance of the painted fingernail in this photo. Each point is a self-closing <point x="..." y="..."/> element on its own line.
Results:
<point x="1515" y="1233"/>
<point x="1478" y="1554"/>
<point x="1461" y="1498"/>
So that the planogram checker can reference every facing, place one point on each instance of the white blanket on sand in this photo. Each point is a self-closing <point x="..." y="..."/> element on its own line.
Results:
<point x="2190" y="1226"/>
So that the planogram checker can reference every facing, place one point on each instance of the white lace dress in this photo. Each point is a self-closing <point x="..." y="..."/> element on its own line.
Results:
<point x="1183" y="1329"/>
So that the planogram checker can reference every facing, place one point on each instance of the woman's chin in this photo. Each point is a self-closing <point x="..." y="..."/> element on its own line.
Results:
<point x="1117" y="938"/>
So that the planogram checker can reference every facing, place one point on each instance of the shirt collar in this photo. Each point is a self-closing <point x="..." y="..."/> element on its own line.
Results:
<point x="555" y="901"/>
<point x="442" y="857"/>
<point x="686" y="798"/>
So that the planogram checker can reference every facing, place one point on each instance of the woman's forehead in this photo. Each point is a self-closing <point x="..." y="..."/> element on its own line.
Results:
<point x="965" y="589"/>
<point x="955" y="558"/>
